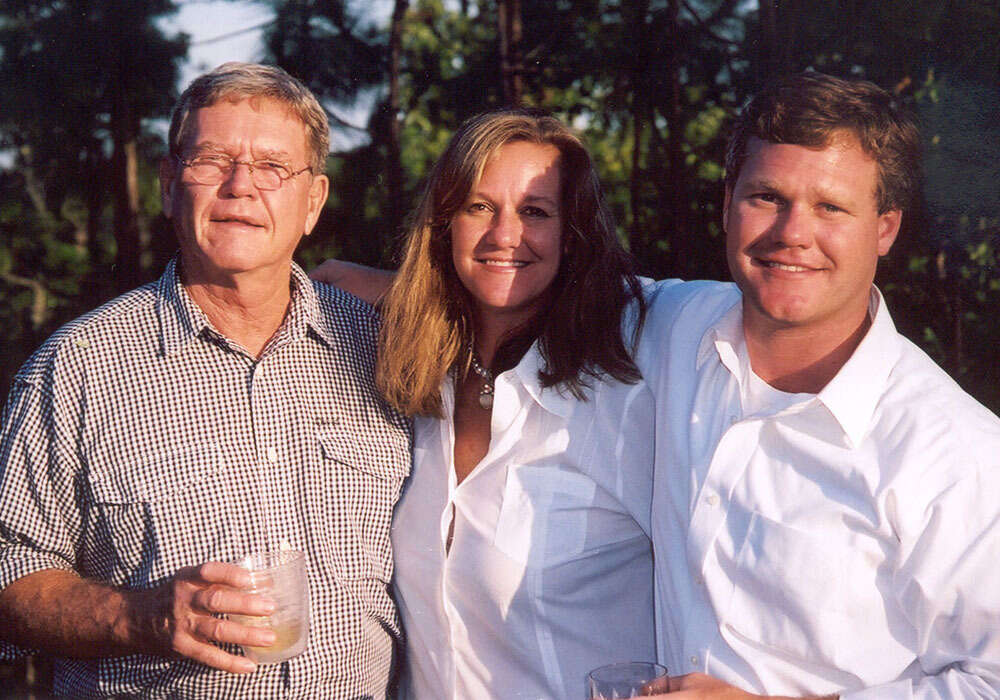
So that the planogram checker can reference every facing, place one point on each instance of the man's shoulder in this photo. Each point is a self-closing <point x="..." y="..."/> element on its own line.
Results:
<point x="678" y="316"/>
<point x="124" y="319"/>
<point x="677" y="299"/>
<point x="687" y="307"/>
<point x="933" y="429"/>
<point x="343" y="309"/>
<point x="920" y="387"/>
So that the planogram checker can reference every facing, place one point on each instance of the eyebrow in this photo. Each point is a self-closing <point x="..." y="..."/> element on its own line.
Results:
<point x="533" y="198"/>
<point x="823" y="193"/>
<point x="266" y="153"/>
<point x="762" y="184"/>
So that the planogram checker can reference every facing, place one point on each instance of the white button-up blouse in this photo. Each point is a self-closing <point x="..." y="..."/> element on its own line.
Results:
<point x="549" y="573"/>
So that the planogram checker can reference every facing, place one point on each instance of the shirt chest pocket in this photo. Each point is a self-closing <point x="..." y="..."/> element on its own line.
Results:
<point x="807" y="595"/>
<point x="160" y="512"/>
<point x="352" y="513"/>
<point x="544" y="515"/>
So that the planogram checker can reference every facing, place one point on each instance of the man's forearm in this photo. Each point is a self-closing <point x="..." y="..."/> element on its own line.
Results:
<point x="368" y="283"/>
<point x="61" y="613"/>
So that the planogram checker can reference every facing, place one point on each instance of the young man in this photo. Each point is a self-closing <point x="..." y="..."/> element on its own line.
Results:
<point x="225" y="409"/>
<point x="825" y="510"/>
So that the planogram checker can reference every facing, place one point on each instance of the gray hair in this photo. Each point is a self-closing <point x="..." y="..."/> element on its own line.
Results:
<point x="249" y="80"/>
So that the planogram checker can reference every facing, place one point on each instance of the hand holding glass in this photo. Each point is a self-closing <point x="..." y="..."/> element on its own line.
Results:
<point x="281" y="576"/>
<point x="623" y="680"/>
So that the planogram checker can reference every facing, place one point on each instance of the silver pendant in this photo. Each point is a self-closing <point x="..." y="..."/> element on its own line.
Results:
<point x="486" y="401"/>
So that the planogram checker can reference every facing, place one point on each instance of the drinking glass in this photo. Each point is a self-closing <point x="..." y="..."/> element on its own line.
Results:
<point x="623" y="680"/>
<point x="281" y="576"/>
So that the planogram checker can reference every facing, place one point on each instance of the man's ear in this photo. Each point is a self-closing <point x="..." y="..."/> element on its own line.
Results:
<point x="725" y="208"/>
<point x="319" y="188"/>
<point x="888" y="229"/>
<point x="168" y="177"/>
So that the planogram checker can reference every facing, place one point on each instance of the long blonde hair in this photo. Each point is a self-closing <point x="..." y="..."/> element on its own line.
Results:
<point x="427" y="315"/>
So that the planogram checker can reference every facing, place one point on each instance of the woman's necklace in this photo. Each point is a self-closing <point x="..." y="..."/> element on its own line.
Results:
<point x="486" y="392"/>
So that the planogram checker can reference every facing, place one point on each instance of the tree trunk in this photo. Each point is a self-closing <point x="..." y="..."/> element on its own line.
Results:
<point x="125" y="191"/>
<point x="511" y="58"/>
<point x="777" y="38"/>
<point x="395" y="177"/>
<point x="34" y="187"/>
<point x="680" y="242"/>
<point x="39" y="298"/>
<point x="641" y="118"/>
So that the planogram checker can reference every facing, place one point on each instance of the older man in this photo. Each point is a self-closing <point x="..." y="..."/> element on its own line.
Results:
<point x="825" y="511"/>
<point x="227" y="408"/>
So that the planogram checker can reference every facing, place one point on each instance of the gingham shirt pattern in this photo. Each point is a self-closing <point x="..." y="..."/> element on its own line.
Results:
<point x="138" y="440"/>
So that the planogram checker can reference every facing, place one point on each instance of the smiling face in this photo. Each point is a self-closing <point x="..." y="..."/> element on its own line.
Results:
<point x="506" y="239"/>
<point x="232" y="227"/>
<point x="803" y="236"/>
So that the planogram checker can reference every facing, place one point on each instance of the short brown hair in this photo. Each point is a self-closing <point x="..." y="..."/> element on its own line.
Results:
<point x="809" y="109"/>
<point x="248" y="80"/>
<point x="427" y="315"/>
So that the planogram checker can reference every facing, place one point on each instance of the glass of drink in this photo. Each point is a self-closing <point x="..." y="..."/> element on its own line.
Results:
<point x="632" y="679"/>
<point x="281" y="576"/>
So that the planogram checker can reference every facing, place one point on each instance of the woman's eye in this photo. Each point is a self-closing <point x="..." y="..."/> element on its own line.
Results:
<point x="536" y="212"/>
<point x="477" y="207"/>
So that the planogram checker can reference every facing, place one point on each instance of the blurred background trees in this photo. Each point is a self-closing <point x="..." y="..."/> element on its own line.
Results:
<point x="652" y="84"/>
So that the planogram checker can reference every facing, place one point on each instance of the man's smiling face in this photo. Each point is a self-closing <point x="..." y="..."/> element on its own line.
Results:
<point x="234" y="227"/>
<point x="804" y="234"/>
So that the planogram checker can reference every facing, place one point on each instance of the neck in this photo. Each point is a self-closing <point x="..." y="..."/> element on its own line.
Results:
<point x="800" y="360"/>
<point x="490" y="332"/>
<point x="248" y="309"/>
<point x="493" y="332"/>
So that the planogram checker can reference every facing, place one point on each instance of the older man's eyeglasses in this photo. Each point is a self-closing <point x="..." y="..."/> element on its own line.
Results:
<point x="265" y="174"/>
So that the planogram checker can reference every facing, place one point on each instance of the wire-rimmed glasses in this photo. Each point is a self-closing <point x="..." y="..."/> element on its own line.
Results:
<point x="265" y="174"/>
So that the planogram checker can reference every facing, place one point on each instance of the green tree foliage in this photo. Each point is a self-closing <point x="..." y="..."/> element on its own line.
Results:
<point x="944" y="60"/>
<point x="79" y="77"/>
<point x="652" y="84"/>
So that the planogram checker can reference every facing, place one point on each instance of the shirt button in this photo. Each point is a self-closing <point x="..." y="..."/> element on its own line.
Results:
<point x="272" y="455"/>
<point x="694" y="661"/>
<point x="712" y="499"/>
<point x="699" y="580"/>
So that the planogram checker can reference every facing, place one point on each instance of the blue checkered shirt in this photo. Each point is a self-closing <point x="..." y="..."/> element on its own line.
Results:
<point x="138" y="440"/>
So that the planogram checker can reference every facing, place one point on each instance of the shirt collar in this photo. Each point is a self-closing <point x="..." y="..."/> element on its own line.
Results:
<point x="553" y="399"/>
<point x="724" y="339"/>
<point x="182" y="320"/>
<point x="852" y="395"/>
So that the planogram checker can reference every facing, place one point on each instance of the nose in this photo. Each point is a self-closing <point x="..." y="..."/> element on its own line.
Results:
<point x="506" y="229"/>
<point x="239" y="182"/>
<point x="792" y="228"/>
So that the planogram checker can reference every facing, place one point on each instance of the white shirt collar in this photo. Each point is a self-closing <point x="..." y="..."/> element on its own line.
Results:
<point x="552" y="399"/>
<point x="851" y="396"/>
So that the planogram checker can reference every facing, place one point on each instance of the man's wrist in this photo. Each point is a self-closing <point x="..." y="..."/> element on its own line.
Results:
<point x="141" y="622"/>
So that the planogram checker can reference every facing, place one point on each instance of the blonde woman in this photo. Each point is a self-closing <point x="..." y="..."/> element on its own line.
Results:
<point x="522" y="559"/>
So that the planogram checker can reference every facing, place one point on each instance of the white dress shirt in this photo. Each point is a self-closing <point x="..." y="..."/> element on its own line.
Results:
<point x="846" y="541"/>
<point x="549" y="573"/>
